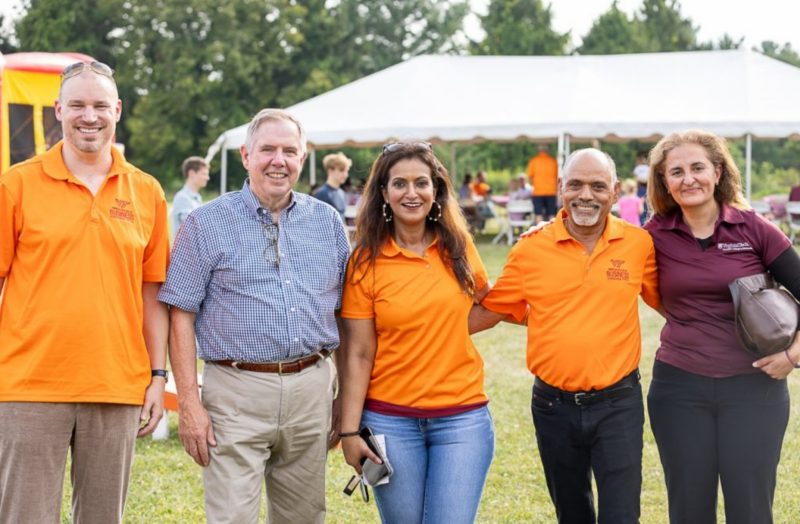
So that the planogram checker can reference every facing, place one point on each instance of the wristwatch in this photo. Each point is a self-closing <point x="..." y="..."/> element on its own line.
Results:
<point x="160" y="373"/>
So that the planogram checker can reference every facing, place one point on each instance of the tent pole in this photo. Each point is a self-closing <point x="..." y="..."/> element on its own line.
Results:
<point x="223" y="177"/>
<point x="312" y="168"/>
<point x="748" y="155"/>
<point x="560" y="154"/>
<point x="453" y="162"/>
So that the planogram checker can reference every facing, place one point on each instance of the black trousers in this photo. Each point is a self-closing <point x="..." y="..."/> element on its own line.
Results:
<point x="604" y="439"/>
<point x="718" y="430"/>
<point x="547" y="206"/>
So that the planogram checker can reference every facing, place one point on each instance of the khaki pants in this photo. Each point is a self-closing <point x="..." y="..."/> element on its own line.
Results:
<point x="269" y="428"/>
<point x="35" y="438"/>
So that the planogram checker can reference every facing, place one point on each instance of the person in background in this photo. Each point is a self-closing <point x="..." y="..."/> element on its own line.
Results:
<point x="525" y="183"/>
<point x="543" y="175"/>
<point x="630" y="205"/>
<point x="518" y="189"/>
<point x="337" y="167"/>
<point x="480" y="188"/>
<point x="469" y="207"/>
<point x="465" y="191"/>
<point x="410" y="370"/>
<point x="794" y="196"/>
<point x="84" y="246"/>
<point x="717" y="415"/>
<point x="187" y="199"/>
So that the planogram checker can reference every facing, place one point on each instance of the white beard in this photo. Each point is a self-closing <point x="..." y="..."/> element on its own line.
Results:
<point x="581" y="217"/>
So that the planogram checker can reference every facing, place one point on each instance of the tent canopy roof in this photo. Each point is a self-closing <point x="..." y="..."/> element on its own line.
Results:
<point x="506" y="98"/>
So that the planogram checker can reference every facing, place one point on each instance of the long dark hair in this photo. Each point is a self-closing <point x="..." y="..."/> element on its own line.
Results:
<point x="372" y="230"/>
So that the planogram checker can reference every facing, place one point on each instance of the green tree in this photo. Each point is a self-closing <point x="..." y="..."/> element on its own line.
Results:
<point x="376" y="34"/>
<point x="8" y="42"/>
<point x="612" y="33"/>
<point x="202" y="68"/>
<point x="519" y="27"/>
<point x="729" y="42"/>
<point x="83" y="26"/>
<point x="784" y="52"/>
<point x="663" y="27"/>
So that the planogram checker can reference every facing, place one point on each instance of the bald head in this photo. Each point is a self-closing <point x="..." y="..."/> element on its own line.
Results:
<point x="590" y="156"/>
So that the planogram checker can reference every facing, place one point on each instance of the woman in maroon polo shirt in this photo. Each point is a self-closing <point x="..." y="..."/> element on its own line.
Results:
<point x="717" y="415"/>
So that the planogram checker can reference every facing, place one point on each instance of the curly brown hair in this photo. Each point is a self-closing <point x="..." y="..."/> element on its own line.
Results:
<point x="729" y="189"/>
<point x="451" y="230"/>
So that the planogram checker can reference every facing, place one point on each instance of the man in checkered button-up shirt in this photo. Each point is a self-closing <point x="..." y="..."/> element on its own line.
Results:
<point x="255" y="279"/>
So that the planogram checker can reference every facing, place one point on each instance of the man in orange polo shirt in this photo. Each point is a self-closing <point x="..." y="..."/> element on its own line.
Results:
<point x="83" y="250"/>
<point x="543" y="174"/>
<point x="581" y="276"/>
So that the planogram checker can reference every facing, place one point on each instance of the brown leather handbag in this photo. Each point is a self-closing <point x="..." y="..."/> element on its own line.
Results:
<point x="766" y="314"/>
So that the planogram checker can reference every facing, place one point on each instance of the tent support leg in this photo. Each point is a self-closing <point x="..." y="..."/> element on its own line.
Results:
<point x="453" y="163"/>
<point x="748" y="155"/>
<point x="312" y="167"/>
<point x="223" y="176"/>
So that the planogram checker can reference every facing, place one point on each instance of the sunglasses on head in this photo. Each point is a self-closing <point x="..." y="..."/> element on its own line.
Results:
<point x="79" y="67"/>
<point x="397" y="146"/>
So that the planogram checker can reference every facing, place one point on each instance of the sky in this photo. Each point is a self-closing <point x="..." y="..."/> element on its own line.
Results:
<point x="776" y="20"/>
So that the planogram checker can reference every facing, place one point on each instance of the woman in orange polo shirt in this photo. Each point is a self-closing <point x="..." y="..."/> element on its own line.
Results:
<point x="409" y="369"/>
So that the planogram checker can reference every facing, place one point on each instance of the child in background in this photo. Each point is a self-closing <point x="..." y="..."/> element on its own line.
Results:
<point x="517" y="189"/>
<point x="630" y="206"/>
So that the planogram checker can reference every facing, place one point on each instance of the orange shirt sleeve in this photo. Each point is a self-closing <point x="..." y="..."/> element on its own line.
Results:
<point x="650" y="293"/>
<point x="9" y="228"/>
<point x="357" y="297"/>
<point x="508" y="294"/>
<point x="156" y="253"/>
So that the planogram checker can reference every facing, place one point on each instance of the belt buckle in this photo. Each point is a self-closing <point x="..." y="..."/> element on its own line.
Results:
<point x="280" y="367"/>
<point x="579" y="398"/>
<point x="235" y="364"/>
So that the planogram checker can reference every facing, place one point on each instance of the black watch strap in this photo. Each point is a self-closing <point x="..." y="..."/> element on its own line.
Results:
<point x="160" y="373"/>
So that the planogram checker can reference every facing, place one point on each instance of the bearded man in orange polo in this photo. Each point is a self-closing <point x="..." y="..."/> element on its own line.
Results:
<point x="581" y="276"/>
<point x="83" y="252"/>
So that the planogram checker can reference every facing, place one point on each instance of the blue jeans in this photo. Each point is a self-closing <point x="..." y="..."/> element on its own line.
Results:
<point x="440" y="466"/>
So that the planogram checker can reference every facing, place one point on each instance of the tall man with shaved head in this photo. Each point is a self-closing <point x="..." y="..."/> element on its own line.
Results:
<point x="256" y="279"/>
<point x="580" y="277"/>
<point x="83" y="337"/>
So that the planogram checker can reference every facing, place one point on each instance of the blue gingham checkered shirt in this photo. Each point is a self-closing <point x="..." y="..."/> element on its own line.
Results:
<point x="248" y="308"/>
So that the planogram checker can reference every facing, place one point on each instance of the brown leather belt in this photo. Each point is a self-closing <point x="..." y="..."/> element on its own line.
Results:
<point x="283" y="368"/>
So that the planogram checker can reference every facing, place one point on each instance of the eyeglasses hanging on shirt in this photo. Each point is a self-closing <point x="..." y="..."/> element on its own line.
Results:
<point x="272" y="252"/>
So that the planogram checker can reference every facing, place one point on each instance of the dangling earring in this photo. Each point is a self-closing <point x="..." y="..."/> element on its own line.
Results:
<point x="436" y="217"/>
<point x="387" y="215"/>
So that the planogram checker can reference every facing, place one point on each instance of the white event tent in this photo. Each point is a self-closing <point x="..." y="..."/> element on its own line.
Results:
<point x="468" y="99"/>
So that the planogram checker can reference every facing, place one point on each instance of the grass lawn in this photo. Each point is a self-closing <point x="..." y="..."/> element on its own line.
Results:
<point x="166" y="485"/>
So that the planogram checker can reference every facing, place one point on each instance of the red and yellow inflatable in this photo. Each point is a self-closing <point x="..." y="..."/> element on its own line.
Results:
<point x="28" y="88"/>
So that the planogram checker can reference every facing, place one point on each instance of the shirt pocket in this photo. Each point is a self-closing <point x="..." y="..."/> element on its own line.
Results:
<point x="317" y="265"/>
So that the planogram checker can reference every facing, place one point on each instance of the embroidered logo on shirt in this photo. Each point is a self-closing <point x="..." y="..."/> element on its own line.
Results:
<point x="616" y="272"/>
<point x="729" y="247"/>
<point x="120" y="212"/>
